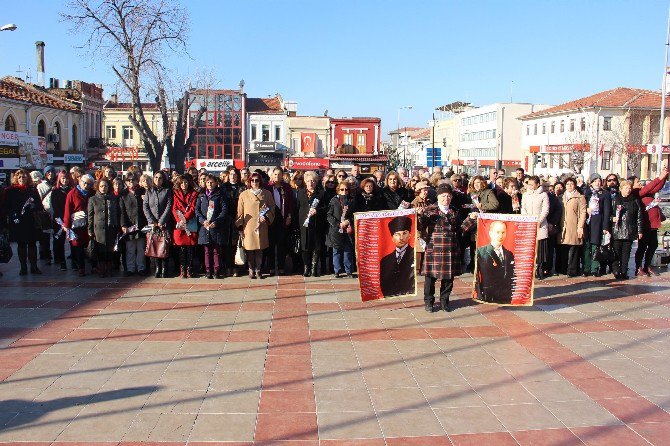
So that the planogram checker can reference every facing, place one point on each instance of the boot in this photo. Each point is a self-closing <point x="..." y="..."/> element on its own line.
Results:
<point x="218" y="274"/>
<point x="444" y="305"/>
<point x="209" y="274"/>
<point x="252" y="273"/>
<point x="32" y="257"/>
<point x="539" y="273"/>
<point x="258" y="273"/>
<point x="189" y="272"/>
<point x="428" y="304"/>
<point x="315" y="264"/>
<point x="182" y="272"/>
<point x="158" y="269"/>
<point x="308" y="271"/>
<point x="23" y="258"/>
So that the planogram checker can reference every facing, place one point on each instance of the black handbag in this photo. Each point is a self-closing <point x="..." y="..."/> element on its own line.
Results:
<point x="604" y="254"/>
<point x="294" y="241"/>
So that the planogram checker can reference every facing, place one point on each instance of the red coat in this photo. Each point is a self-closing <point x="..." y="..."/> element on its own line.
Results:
<point x="651" y="219"/>
<point x="186" y="204"/>
<point x="75" y="202"/>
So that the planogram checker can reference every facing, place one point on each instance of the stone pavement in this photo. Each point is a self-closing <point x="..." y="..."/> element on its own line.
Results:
<point x="296" y="361"/>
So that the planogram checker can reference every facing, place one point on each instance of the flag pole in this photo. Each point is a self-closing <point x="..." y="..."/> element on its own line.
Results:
<point x="663" y="94"/>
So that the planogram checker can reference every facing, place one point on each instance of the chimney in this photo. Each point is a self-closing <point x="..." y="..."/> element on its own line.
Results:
<point x="39" y="47"/>
<point x="114" y="98"/>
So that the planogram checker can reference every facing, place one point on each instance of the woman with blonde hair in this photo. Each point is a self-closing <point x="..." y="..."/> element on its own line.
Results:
<point x="626" y="227"/>
<point x="394" y="193"/>
<point x="298" y="180"/>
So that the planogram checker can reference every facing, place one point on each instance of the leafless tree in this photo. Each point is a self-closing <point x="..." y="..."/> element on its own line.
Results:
<point x="137" y="36"/>
<point x="626" y="139"/>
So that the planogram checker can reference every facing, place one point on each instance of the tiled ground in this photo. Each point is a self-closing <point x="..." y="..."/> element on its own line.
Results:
<point x="302" y="362"/>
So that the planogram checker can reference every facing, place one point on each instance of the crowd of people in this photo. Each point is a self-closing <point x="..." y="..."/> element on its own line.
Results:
<point x="243" y="222"/>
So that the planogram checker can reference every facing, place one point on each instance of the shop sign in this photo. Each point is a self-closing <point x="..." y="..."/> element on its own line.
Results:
<point x="511" y="163"/>
<point x="308" y="163"/>
<point x="73" y="158"/>
<point x="122" y="154"/>
<point x="9" y="151"/>
<point x="9" y="163"/>
<point x="264" y="145"/>
<point x="268" y="159"/>
<point x="213" y="165"/>
<point x="32" y="152"/>
<point x="9" y="139"/>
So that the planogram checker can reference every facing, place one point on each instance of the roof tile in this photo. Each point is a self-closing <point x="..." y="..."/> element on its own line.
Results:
<point x="15" y="89"/>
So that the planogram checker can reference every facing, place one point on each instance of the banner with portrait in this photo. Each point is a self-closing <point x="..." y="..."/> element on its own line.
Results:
<point x="505" y="259"/>
<point x="385" y="254"/>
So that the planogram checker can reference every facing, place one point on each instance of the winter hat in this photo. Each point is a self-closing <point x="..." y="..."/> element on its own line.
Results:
<point x="594" y="176"/>
<point x="36" y="176"/>
<point x="48" y="169"/>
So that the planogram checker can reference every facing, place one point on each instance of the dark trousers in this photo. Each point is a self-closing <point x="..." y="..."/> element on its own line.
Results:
<point x="622" y="249"/>
<point x="570" y="259"/>
<point x="548" y="265"/>
<point x="276" y="253"/>
<point x="79" y="257"/>
<point x="59" y="248"/>
<point x="646" y="247"/>
<point x="255" y="259"/>
<point x="45" y="245"/>
<point x="446" y="285"/>
<point x="212" y="257"/>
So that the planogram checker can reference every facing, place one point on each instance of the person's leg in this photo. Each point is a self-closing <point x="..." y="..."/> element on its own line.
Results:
<point x="652" y="244"/>
<point x="640" y="252"/>
<point x="131" y="256"/>
<point x="573" y="260"/>
<point x="337" y="261"/>
<point x="307" y="262"/>
<point x="32" y="258"/>
<point x="216" y="261"/>
<point x="586" y="261"/>
<point x="79" y="257"/>
<point x="315" y="263"/>
<point x="259" y="262"/>
<point x="446" y="286"/>
<point x="626" y="247"/>
<point x="251" y="262"/>
<point x="22" y="251"/>
<point x="429" y="293"/>
<point x="140" y="258"/>
<point x="190" y="252"/>
<point x="616" y="264"/>
<point x="349" y="260"/>
<point x="208" y="254"/>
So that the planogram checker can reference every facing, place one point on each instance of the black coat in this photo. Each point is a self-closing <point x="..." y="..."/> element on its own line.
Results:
<point x="220" y="234"/>
<point x="365" y="203"/>
<point x="104" y="219"/>
<point x="593" y="229"/>
<point x="391" y="200"/>
<point x="505" y="203"/>
<point x="21" y="220"/>
<point x="58" y="197"/>
<point x="337" y="239"/>
<point x="630" y="218"/>
<point x="313" y="236"/>
<point x="132" y="212"/>
<point x="495" y="276"/>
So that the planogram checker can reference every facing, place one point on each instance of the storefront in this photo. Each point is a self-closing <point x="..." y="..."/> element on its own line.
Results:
<point x="263" y="160"/>
<point x="367" y="163"/>
<point x="20" y="150"/>
<point x="316" y="164"/>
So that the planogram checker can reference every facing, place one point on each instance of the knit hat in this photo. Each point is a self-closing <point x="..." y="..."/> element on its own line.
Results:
<point x="48" y="169"/>
<point x="594" y="176"/>
<point x="36" y="175"/>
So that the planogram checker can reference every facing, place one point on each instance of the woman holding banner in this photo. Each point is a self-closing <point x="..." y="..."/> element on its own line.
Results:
<point x="442" y="258"/>
<point x="341" y="225"/>
<point x="312" y="210"/>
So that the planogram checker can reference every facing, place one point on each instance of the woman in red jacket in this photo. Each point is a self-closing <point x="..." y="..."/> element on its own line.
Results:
<point x="651" y="221"/>
<point x="185" y="234"/>
<point x="75" y="219"/>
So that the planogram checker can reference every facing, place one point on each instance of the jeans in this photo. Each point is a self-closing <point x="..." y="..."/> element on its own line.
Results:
<point x="345" y="256"/>
<point x="646" y="247"/>
<point x="135" y="261"/>
<point x="622" y="249"/>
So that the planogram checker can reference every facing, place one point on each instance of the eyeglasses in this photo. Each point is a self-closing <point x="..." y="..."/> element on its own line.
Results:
<point x="330" y="182"/>
<point x="344" y="190"/>
<point x="341" y="176"/>
<point x="255" y="180"/>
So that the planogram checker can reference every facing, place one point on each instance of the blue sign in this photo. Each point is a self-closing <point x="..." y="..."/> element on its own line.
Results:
<point x="430" y="151"/>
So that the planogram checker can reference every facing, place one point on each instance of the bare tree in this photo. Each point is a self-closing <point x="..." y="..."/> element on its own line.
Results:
<point x="137" y="36"/>
<point x="626" y="139"/>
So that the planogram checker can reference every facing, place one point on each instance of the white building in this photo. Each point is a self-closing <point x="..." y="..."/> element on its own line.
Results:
<point x="267" y="124"/>
<point x="489" y="136"/>
<point x="611" y="131"/>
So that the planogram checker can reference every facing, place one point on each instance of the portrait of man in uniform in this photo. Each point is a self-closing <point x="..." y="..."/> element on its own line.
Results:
<point x="396" y="275"/>
<point x="495" y="267"/>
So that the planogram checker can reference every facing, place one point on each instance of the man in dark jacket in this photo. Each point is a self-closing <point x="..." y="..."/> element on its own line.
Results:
<point x="396" y="275"/>
<point x="132" y="222"/>
<point x="495" y="267"/>
<point x="285" y="208"/>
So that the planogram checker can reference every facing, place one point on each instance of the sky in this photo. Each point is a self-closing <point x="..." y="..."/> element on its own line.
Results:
<point x="370" y="57"/>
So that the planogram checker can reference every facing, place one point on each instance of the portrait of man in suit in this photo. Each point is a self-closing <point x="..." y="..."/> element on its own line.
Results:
<point x="495" y="267"/>
<point x="396" y="275"/>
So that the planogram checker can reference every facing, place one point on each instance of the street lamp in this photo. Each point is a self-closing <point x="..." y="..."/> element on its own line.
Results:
<point x="431" y="124"/>
<point x="404" y="152"/>
<point x="8" y="27"/>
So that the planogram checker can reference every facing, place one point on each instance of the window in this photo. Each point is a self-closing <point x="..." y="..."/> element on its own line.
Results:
<point x="527" y="130"/>
<point x="349" y="139"/>
<point x="74" y="136"/>
<point x="553" y="127"/>
<point x="277" y="132"/>
<point x="544" y="128"/>
<point x="41" y="128"/>
<point x="110" y="131"/>
<point x="254" y="132"/>
<point x="127" y="132"/>
<point x="607" y="123"/>
<point x="10" y="124"/>
<point x="582" y="124"/>
<point x="562" y="126"/>
<point x="572" y="125"/>
<point x="57" y="131"/>
<point x="265" y="132"/>
<point x="606" y="160"/>
<point x="535" y="129"/>
<point x="360" y="142"/>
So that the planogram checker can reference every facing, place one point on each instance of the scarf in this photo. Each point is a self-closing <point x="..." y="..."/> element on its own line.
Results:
<point x="568" y="195"/>
<point x="367" y="196"/>
<point x="256" y="192"/>
<point x="443" y="208"/>
<point x="83" y="192"/>
<point x="64" y="189"/>
<point x="208" y="193"/>
<point x="20" y="187"/>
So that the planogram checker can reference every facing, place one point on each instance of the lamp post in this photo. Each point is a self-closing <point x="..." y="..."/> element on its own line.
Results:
<point x="431" y="124"/>
<point x="8" y="27"/>
<point x="404" y="152"/>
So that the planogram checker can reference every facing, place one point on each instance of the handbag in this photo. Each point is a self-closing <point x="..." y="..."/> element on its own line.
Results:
<point x="294" y="241"/>
<point x="604" y="254"/>
<point x="240" y="254"/>
<point x="5" y="248"/>
<point x="91" y="249"/>
<point x="192" y="225"/>
<point x="42" y="220"/>
<point x="158" y="245"/>
<point x="79" y="220"/>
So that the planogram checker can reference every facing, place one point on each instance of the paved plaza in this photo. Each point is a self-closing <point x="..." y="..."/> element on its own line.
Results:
<point x="301" y="361"/>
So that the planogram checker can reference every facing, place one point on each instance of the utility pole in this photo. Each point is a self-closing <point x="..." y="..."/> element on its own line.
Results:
<point x="663" y="94"/>
<point x="432" y="141"/>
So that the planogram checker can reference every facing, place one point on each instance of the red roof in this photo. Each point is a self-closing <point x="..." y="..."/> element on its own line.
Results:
<point x="620" y="97"/>
<point x="129" y="106"/>
<point x="264" y="105"/>
<point x="15" y="89"/>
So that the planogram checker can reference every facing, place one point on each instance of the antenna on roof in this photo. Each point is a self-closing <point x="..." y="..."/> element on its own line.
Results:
<point x="325" y="113"/>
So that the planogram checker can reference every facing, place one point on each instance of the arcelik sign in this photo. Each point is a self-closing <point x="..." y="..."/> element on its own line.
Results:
<point x="308" y="163"/>
<point x="213" y="165"/>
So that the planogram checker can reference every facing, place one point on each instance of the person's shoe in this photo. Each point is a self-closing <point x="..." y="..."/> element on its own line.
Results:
<point x="281" y="272"/>
<point x="158" y="273"/>
<point x="63" y="266"/>
<point x="219" y="274"/>
<point x="444" y="305"/>
<point x="23" y="271"/>
<point x="252" y="274"/>
<point x="308" y="271"/>
<point x="128" y="274"/>
<point x="259" y="274"/>
<point x="337" y="275"/>
<point x="586" y="274"/>
<point x="35" y="270"/>
<point x="142" y="272"/>
<point x="237" y="273"/>
<point x="428" y="306"/>
<point x="189" y="273"/>
<point x="315" y="270"/>
<point x="82" y="273"/>
<point x="209" y="275"/>
<point x="350" y="276"/>
<point x="597" y="274"/>
<point x="646" y="272"/>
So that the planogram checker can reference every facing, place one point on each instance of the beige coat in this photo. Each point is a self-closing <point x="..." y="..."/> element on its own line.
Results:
<point x="536" y="203"/>
<point x="574" y="217"/>
<point x="248" y="212"/>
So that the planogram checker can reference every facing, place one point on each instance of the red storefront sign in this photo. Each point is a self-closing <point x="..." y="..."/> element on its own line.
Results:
<point x="308" y="142"/>
<point x="308" y="163"/>
<point x="567" y="148"/>
<point x="646" y="148"/>
<point x="511" y="163"/>
<point x="122" y="154"/>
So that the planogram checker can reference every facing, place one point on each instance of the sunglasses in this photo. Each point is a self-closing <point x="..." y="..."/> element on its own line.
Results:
<point x="344" y="190"/>
<point x="341" y="176"/>
<point x="256" y="180"/>
<point x="330" y="182"/>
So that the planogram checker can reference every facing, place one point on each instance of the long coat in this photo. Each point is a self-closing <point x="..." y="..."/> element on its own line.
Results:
<point x="536" y="202"/>
<point x="391" y="200"/>
<point x="630" y="218"/>
<point x="219" y="234"/>
<point x="574" y="217"/>
<point x="58" y="197"/>
<point x="337" y="239"/>
<point x="314" y="235"/>
<point x="365" y="203"/>
<point x="75" y="202"/>
<point x="599" y="220"/>
<point x="104" y="220"/>
<point x="248" y="211"/>
<point x="132" y="213"/>
<point x="157" y="206"/>
<point x="186" y="204"/>
<point x="442" y="259"/>
<point x="232" y="194"/>
<point x="21" y="219"/>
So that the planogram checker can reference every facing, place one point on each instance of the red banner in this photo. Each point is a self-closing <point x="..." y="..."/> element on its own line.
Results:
<point x="308" y="163"/>
<point x="308" y="142"/>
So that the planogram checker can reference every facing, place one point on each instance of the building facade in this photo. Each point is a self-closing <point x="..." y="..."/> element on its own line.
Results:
<point x="90" y="101"/>
<point x="611" y="131"/>
<point x="356" y="141"/>
<point x="267" y="130"/>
